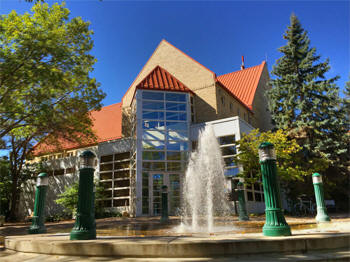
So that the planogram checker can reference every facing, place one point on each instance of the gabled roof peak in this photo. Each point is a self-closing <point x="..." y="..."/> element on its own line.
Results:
<point x="161" y="79"/>
<point x="165" y="41"/>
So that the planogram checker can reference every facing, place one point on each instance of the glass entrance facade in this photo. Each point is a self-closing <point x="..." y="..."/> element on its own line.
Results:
<point x="163" y="137"/>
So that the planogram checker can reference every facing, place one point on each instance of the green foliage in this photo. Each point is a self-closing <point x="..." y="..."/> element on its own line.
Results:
<point x="5" y="185"/>
<point x="290" y="163"/>
<point x="69" y="200"/>
<point x="305" y="103"/>
<point x="45" y="85"/>
<point x="346" y="103"/>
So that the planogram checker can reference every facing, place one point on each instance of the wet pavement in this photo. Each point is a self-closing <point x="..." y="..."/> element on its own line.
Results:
<point x="151" y="226"/>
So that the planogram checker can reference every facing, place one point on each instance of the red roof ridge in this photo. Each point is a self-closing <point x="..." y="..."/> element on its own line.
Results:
<point x="245" y="69"/>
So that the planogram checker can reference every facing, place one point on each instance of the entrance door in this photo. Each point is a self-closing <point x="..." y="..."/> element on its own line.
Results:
<point x="172" y="181"/>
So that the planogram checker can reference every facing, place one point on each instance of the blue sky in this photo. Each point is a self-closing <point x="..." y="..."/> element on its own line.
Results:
<point x="216" y="34"/>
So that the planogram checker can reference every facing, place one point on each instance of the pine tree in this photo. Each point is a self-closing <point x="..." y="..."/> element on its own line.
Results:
<point x="346" y="103"/>
<point x="305" y="103"/>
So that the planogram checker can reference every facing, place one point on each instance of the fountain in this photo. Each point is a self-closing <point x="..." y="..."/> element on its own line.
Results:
<point x="204" y="186"/>
<point x="204" y="200"/>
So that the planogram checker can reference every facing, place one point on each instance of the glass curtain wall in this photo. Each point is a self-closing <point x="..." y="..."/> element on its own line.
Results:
<point x="165" y="145"/>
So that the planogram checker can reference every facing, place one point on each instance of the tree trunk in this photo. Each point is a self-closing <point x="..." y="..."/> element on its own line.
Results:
<point x="14" y="199"/>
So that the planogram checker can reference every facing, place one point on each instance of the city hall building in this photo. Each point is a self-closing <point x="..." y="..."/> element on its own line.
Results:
<point x="145" y="141"/>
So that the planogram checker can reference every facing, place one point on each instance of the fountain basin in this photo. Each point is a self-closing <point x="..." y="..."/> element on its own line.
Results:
<point x="218" y="245"/>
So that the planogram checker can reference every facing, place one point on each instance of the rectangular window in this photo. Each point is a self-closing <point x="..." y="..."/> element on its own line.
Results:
<point x="250" y="196"/>
<point x="122" y="165"/>
<point x="145" y="193"/>
<point x="121" y="192"/>
<point x="152" y="95"/>
<point x="121" y="156"/>
<point x="176" y="116"/>
<point x="153" y="145"/>
<point x="106" y="184"/>
<point x="146" y="124"/>
<point x="121" y="174"/>
<point x="121" y="202"/>
<point x="226" y="140"/>
<point x="174" y="145"/>
<point x="175" y="106"/>
<point x="106" y="167"/>
<point x="232" y="171"/>
<point x="177" y="135"/>
<point x="108" y="158"/>
<point x="153" y="105"/>
<point x="258" y="197"/>
<point x="175" y="97"/>
<point x="153" y="166"/>
<point x="177" y="156"/>
<point x="153" y="155"/>
<point x="174" y="166"/>
<point x="153" y="135"/>
<point x="176" y="126"/>
<point x="229" y="162"/>
<point x="106" y="176"/>
<point x="153" y="115"/>
<point x="228" y="150"/>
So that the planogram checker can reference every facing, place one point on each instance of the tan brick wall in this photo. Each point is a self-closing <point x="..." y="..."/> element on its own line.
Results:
<point x="262" y="116"/>
<point x="205" y="104"/>
<point x="185" y="69"/>
<point x="228" y="106"/>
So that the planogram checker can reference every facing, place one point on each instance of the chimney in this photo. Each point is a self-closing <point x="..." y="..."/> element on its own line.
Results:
<point x="242" y="66"/>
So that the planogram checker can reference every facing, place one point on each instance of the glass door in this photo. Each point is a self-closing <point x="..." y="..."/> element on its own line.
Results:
<point x="174" y="194"/>
<point x="172" y="181"/>
<point x="157" y="181"/>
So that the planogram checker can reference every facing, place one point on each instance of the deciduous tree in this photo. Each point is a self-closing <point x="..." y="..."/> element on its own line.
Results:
<point x="45" y="85"/>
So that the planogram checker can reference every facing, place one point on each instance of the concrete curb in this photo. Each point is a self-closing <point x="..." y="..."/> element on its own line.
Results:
<point x="176" y="246"/>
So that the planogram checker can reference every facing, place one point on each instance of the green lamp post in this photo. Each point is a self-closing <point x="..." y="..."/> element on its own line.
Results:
<point x="322" y="215"/>
<point x="275" y="224"/>
<point x="242" y="210"/>
<point x="165" y="215"/>
<point x="38" y="226"/>
<point x="85" y="227"/>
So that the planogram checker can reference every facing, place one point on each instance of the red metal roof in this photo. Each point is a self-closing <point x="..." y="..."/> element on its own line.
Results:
<point x="243" y="83"/>
<point x="160" y="79"/>
<point x="107" y="124"/>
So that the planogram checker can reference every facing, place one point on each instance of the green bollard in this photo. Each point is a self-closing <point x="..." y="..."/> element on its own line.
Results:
<point x="38" y="226"/>
<point x="242" y="210"/>
<point x="84" y="227"/>
<point x="322" y="215"/>
<point x="275" y="224"/>
<point x="165" y="215"/>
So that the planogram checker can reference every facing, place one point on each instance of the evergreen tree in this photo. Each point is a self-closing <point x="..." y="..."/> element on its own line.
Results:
<point x="346" y="103"/>
<point x="303" y="101"/>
